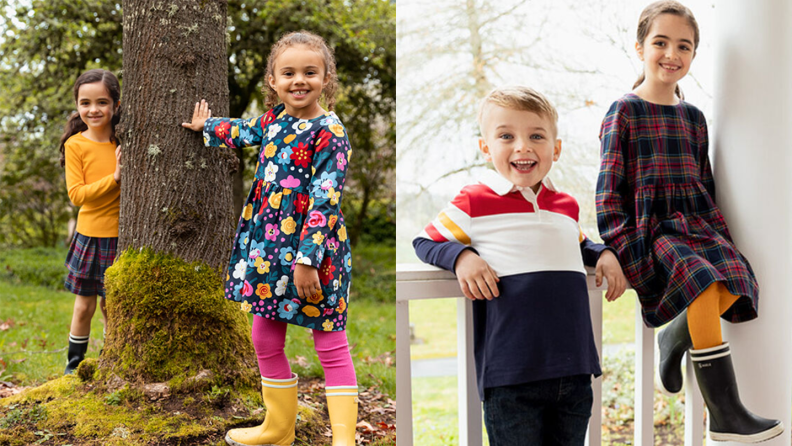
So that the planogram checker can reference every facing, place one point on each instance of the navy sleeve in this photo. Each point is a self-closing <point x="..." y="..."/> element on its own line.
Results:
<point x="591" y="251"/>
<point x="440" y="254"/>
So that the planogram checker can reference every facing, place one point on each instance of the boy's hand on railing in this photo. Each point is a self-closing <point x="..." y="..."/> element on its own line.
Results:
<point x="608" y="267"/>
<point x="476" y="278"/>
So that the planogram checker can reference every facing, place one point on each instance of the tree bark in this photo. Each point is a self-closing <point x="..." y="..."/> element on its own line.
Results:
<point x="176" y="195"/>
<point x="167" y="318"/>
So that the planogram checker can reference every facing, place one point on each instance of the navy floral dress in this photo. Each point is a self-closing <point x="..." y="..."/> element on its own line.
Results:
<point x="656" y="207"/>
<point x="292" y="215"/>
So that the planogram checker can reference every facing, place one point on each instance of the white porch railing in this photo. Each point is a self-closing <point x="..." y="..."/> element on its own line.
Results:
<point x="419" y="281"/>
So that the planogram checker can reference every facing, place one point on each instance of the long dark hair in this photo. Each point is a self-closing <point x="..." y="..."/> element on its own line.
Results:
<point x="650" y="13"/>
<point x="74" y="124"/>
<point x="313" y="42"/>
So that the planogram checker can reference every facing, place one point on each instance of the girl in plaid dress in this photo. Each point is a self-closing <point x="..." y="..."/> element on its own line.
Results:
<point x="656" y="206"/>
<point x="291" y="263"/>
<point x="91" y="156"/>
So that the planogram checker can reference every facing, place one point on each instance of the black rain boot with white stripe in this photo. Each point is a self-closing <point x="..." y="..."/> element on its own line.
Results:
<point x="78" y="345"/>
<point x="729" y="419"/>
<point x="672" y="343"/>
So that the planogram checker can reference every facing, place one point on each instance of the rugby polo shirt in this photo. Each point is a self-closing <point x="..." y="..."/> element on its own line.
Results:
<point x="540" y="325"/>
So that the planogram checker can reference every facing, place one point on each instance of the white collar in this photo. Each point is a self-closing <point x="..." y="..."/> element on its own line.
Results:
<point x="502" y="186"/>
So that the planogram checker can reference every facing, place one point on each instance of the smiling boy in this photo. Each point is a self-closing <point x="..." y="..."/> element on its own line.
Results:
<point x="518" y="252"/>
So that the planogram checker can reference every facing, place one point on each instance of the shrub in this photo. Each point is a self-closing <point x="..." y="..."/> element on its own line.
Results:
<point x="34" y="266"/>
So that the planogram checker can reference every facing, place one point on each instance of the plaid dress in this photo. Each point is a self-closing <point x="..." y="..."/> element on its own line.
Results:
<point x="656" y="207"/>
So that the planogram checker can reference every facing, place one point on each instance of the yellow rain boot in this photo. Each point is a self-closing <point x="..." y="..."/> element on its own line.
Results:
<point x="342" y="404"/>
<point x="280" y="399"/>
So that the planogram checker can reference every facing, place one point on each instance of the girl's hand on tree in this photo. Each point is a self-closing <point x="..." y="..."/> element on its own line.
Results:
<point x="306" y="279"/>
<point x="200" y="115"/>
<point x="117" y="173"/>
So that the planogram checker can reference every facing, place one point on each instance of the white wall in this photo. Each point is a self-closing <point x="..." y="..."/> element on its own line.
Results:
<point x="752" y="162"/>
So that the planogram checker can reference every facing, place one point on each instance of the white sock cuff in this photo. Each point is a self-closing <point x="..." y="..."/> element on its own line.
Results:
<point x="706" y="354"/>
<point x="341" y="391"/>
<point x="79" y="339"/>
<point x="280" y="383"/>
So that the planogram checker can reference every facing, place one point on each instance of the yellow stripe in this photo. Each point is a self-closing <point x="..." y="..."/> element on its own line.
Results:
<point x="582" y="235"/>
<point x="456" y="231"/>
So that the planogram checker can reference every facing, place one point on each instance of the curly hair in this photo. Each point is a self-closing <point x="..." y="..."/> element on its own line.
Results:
<point x="313" y="42"/>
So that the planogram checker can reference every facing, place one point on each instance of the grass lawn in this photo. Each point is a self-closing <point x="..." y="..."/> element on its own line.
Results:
<point x="34" y="320"/>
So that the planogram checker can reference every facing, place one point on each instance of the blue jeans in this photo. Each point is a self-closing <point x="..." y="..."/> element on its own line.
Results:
<point x="541" y="413"/>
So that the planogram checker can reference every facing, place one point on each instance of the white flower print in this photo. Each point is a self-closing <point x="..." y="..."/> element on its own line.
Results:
<point x="280" y="286"/>
<point x="302" y="260"/>
<point x="239" y="269"/>
<point x="270" y="171"/>
<point x="273" y="130"/>
<point x="301" y="126"/>
<point x="335" y="285"/>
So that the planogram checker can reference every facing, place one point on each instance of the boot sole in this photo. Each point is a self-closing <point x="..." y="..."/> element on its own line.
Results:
<point x="230" y="441"/>
<point x="659" y="381"/>
<point x="773" y="432"/>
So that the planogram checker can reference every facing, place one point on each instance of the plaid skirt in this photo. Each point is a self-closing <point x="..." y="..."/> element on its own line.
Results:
<point x="87" y="261"/>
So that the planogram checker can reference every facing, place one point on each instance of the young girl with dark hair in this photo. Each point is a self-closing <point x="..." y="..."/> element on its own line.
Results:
<point x="656" y="207"/>
<point x="91" y="156"/>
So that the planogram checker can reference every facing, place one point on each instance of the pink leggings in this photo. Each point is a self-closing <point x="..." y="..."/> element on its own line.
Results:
<point x="269" y="340"/>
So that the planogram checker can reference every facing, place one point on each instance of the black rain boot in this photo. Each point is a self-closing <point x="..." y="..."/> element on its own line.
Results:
<point x="78" y="345"/>
<point x="729" y="419"/>
<point x="672" y="343"/>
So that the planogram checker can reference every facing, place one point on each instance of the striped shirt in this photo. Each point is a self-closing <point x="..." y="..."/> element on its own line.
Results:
<point x="540" y="325"/>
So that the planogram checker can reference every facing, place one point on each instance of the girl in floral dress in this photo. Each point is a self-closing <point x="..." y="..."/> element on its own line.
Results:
<point x="656" y="207"/>
<point x="291" y="262"/>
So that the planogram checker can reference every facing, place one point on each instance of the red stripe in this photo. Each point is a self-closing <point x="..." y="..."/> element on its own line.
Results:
<point x="434" y="234"/>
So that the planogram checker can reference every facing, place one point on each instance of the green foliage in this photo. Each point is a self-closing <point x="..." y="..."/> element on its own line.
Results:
<point x="374" y="273"/>
<point x="34" y="266"/>
<point x="21" y="415"/>
<point x="169" y="319"/>
<point x="379" y="222"/>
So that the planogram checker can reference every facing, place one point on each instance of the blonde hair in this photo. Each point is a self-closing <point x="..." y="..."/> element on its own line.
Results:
<point x="313" y="42"/>
<point x="519" y="98"/>
<point x="648" y="16"/>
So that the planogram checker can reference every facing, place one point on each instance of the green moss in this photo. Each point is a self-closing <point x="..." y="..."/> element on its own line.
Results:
<point x="168" y="320"/>
<point x="87" y="369"/>
<point x="81" y="411"/>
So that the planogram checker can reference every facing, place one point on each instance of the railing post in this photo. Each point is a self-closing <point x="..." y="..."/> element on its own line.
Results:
<point x="644" y="380"/>
<point x="594" y="434"/>
<point x="694" y="407"/>
<point x="470" y="429"/>
<point x="404" y="433"/>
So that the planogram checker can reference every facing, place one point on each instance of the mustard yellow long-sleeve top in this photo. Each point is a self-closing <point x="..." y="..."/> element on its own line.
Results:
<point x="89" y="179"/>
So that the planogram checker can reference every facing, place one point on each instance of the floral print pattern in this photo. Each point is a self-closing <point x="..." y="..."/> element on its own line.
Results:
<point x="292" y="215"/>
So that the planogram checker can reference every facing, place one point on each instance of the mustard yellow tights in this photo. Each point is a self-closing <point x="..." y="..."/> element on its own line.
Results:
<point x="703" y="315"/>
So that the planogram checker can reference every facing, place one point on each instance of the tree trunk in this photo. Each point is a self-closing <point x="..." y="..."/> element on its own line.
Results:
<point x="176" y="194"/>
<point x="166" y="314"/>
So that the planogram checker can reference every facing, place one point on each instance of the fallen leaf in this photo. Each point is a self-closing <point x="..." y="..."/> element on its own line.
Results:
<point x="365" y="426"/>
<point x="300" y="361"/>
